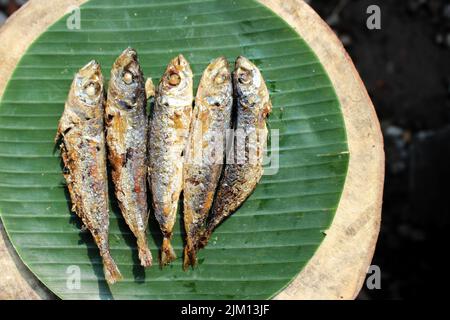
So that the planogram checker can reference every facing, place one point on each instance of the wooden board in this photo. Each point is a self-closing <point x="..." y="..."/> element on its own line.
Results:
<point x="338" y="269"/>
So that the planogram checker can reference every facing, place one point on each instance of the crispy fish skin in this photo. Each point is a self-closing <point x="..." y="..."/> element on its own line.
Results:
<point x="126" y="138"/>
<point x="169" y="128"/>
<point x="241" y="177"/>
<point x="83" y="152"/>
<point x="205" y="152"/>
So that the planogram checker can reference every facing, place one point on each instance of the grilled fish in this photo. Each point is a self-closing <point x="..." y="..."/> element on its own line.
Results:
<point x="83" y="152"/>
<point x="169" y="129"/>
<point x="126" y="138"/>
<point x="205" y="152"/>
<point x="241" y="177"/>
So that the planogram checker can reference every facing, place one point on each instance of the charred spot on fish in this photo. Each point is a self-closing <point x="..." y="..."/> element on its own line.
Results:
<point x="66" y="170"/>
<point x="130" y="153"/>
<point x="125" y="105"/>
<point x="217" y="104"/>
<point x="109" y="117"/>
<point x="65" y="132"/>
<point x="128" y="156"/>
<point x="246" y="104"/>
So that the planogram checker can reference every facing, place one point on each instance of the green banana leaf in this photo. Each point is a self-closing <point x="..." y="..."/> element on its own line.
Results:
<point x="263" y="246"/>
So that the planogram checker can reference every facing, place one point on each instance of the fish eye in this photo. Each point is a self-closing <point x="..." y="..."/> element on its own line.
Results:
<point x="244" y="78"/>
<point x="127" y="77"/>
<point x="174" y="79"/>
<point x="220" y="78"/>
<point x="91" y="88"/>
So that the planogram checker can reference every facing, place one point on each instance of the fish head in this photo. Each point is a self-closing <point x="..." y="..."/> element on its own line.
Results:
<point x="88" y="85"/>
<point x="216" y="87"/>
<point x="177" y="79"/>
<point x="127" y="80"/>
<point x="247" y="77"/>
<point x="250" y="87"/>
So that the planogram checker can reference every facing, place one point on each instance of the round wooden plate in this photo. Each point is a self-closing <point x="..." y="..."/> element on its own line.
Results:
<point x="338" y="269"/>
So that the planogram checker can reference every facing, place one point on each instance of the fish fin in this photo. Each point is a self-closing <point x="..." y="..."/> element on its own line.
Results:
<point x="149" y="89"/>
<point x="267" y="109"/>
<point x="190" y="255"/>
<point x="112" y="273"/>
<point x="58" y="137"/>
<point x="64" y="126"/>
<point x="145" y="256"/>
<point x="167" y="252"/>
<point x="59" y="133"/>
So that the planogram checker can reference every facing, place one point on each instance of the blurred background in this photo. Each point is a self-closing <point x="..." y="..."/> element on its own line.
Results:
<point x="406" y="68"/>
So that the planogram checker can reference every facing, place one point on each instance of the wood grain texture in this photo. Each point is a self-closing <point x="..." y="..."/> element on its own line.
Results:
<point x="338" y="269"/>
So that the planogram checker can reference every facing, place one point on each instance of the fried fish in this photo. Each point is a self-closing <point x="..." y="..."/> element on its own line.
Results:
<point x="82" y="137"/>
<point x="126" y="138"/>
<point x="205" y="152"/>
<point x="169" y="129"/>
<point x="242" y="175"/>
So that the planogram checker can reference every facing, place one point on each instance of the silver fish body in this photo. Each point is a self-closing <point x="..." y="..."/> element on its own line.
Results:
<point x="81" y="131"/>
<point x="241" y="177"/>
<point x="206" y="150"/>
<point x="169" y="129"/>
<point x="126" y="136"/>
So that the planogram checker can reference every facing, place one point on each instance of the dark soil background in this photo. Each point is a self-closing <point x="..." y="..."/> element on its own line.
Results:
<point x="406" y="68"/>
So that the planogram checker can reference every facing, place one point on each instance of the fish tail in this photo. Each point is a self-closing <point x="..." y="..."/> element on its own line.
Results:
<point x="190" y="255"/>
<point x="167" y="252"/>
<point x="145" y="256"/>
<point x="112" y="273"/>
